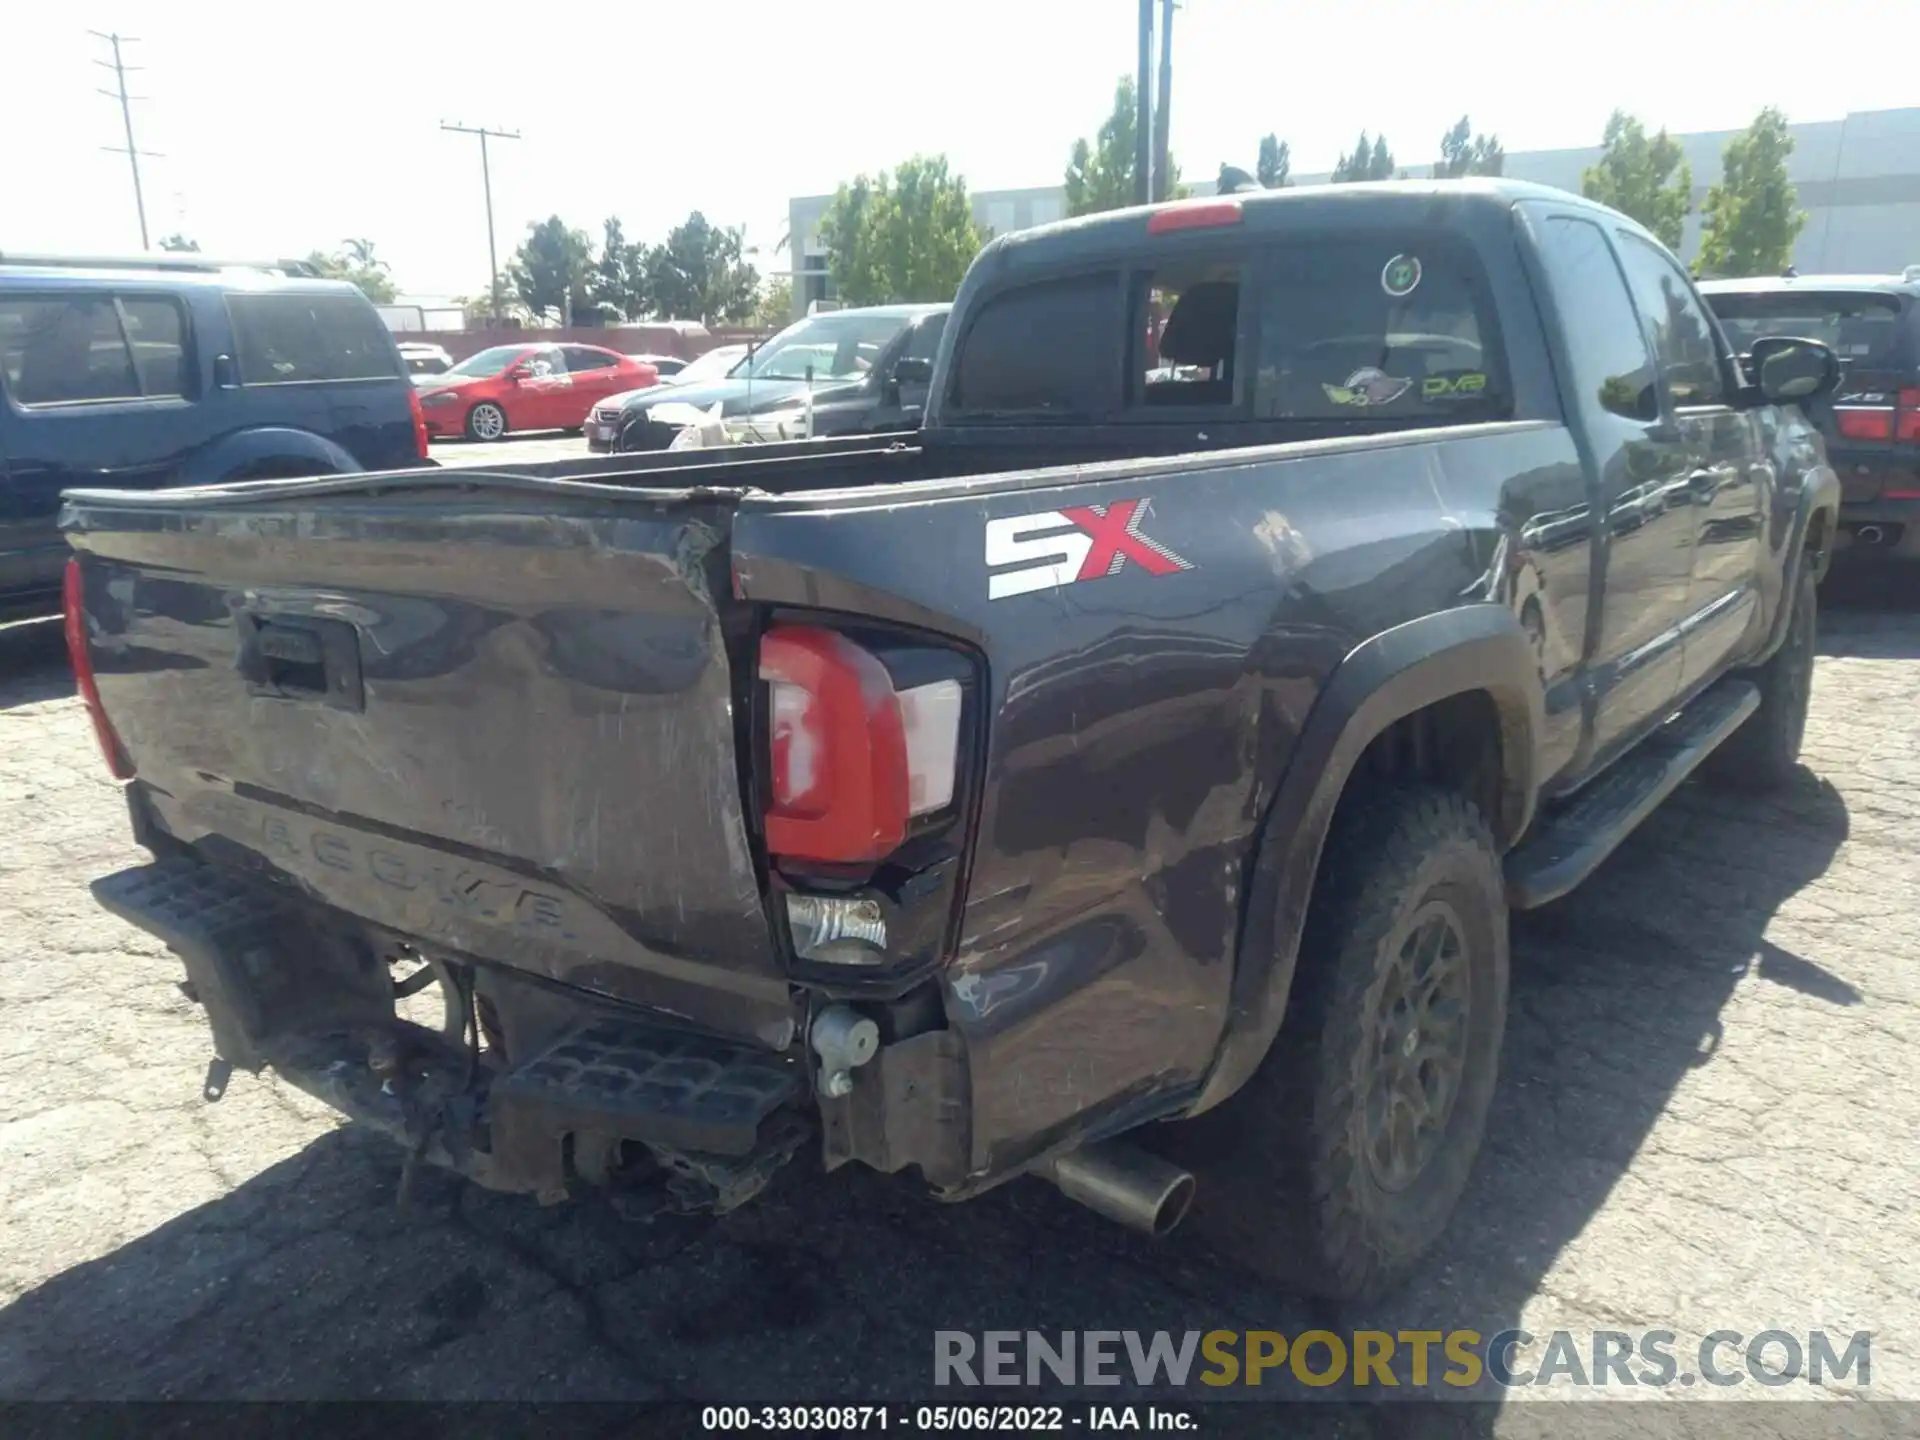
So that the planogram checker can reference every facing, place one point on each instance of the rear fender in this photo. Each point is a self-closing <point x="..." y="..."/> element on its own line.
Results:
<point x="1818" y="497"/>
<point x="288" y="451"/>
<point x="1386" y="678"/>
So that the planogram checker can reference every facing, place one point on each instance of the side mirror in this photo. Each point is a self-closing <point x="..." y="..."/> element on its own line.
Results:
<point x="912" y="370"/>
<point x="1789" y="371"/>
<point x="518" y="373"/>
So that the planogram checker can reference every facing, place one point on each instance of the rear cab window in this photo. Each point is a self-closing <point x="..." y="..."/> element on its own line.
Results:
<point x="1308" y="327"/>
<point x="1377" y="327"/>
<point x="292" y="339"/>
<point x="77" y="348"/>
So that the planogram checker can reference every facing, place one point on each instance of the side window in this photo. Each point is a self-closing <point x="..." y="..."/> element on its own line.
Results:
<point x="1377" y="327"/>
<point x="545" y="364"/>
<point x="925" y="339"/>
<point x="1186" y="325"/>
<point x="1683" y="338"/>
<point x="65" y="350"/>
<point x="582" y="358"/>
<point x="156" y="329"/>
<point x="275" y="340"/>
<point x="356" y="341"/>
<point x="1050" y="348"/>
<point x="1611" y="366"/>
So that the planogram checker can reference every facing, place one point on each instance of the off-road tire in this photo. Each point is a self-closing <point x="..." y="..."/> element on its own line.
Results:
<point x="1764" y="753"/>
<point x="475" y="428"/>
<point x="1286" y="1182"/>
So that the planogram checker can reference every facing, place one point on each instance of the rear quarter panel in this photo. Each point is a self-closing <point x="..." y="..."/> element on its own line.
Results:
<point x="1139" y="722"/>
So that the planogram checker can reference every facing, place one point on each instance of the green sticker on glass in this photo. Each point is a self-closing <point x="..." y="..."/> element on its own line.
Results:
<point x="1401" y="275"/>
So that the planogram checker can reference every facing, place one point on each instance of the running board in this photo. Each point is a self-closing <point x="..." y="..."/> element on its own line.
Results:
<point x="1568" y="845"/>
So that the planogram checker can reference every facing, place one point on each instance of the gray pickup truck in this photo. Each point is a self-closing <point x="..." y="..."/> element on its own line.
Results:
<point x="1282" y="588"/>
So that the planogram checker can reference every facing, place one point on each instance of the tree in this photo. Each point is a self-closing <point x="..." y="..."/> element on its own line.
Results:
<point x="1100" y="175"/>
<point x="1750" y="221"/>
<point x="1464" y="153"/>
<point x="359" y="254"/>
<point x="618" y="284"/>
<point x="905" y="236"/>
<point x="550" y="270"/>
<point x="699" y="274"/>
<point x="179" y="243"/>
<point x="1368" y="160"/>
<point x="372" y="276"/>
<point x="774" y="311"/>
<point x="1275" y="164"/>
<point x="1647" y="179"/>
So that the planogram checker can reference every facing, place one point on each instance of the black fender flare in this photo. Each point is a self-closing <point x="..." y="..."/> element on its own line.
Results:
<point x="1478" y="647"/>
<point x="1819" y="493"/>
<point x="268" y="444"/>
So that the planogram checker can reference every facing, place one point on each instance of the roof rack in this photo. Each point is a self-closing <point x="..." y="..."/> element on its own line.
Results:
<point x="188" y="260"/>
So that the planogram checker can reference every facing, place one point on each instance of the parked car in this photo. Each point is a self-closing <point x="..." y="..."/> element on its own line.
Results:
<point x="716" y="364"/>
<point x="1872" y="422"/>
<point x="528" y="387"/>
<point x="423" y="359"/>
<point x="852" y="357"/>
<point x="1121" y="755"/>
<point x="168" y="371"/>
<point x="666" y="365"/>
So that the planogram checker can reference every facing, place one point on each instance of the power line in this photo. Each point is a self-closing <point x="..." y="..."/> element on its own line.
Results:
<point x="132" y="151"/>
<point x="486" y="180"/>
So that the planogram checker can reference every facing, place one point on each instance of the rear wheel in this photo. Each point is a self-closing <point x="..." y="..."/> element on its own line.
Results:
<point x="486" y="421"/>
<point x="1339" y="1164"/>
<point x="1764" y="752"/>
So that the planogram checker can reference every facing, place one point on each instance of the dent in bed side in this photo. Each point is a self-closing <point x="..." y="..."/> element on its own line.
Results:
<point x="1477" y="648"/>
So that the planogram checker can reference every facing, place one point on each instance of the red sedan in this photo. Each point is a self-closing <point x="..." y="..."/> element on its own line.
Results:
<point x="526" y="387"/>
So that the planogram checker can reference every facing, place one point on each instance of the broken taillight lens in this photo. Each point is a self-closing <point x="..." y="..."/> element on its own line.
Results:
<point x="73" y="604"/>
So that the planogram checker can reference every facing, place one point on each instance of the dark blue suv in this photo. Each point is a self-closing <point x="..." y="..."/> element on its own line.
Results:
<point x="176" y="370"/>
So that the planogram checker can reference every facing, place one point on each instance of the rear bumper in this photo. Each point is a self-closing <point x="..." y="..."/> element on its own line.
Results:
<point x="578" y="1091"/>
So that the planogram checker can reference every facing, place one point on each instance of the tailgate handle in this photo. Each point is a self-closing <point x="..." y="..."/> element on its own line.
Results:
<point x="304" y="659"/>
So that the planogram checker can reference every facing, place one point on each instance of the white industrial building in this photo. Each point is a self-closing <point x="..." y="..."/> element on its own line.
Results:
<point x="1858" y="179"/>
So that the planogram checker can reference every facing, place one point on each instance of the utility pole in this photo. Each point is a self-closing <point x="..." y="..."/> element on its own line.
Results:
<point x="1163" y="108"/>
<point x="119" y="92"/>
<point x="486" y="180"/>
<point x="1143" y="111"/>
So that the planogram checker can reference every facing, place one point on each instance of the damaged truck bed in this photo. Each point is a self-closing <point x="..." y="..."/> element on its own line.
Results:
<point x="1281" y="588"/>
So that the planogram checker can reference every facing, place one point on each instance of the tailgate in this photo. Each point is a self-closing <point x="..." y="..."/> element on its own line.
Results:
<point x="499" y="723"/>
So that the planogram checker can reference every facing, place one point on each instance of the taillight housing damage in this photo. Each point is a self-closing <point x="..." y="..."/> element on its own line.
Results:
<point x="73" y="606"/>
<point x="863" y="748"/>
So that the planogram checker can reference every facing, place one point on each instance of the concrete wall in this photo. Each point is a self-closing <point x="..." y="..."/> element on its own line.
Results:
<point x="1858" y="179"/>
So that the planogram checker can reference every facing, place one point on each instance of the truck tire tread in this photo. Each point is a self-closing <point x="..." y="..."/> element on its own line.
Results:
<point x="1284" y="1182"/>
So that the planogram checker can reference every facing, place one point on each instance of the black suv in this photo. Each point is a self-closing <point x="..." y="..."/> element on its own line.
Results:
<point x="153" y="371"/>
<point x="1872" y="421"/>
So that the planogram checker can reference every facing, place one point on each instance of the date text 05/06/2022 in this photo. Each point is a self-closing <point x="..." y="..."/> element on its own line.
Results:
<point x="992" y="1419"/>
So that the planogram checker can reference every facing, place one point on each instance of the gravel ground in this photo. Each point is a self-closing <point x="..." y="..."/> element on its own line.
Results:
<point x="1706" y="1121"/>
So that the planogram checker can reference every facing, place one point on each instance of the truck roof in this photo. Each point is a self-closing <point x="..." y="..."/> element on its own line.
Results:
<point x="1297" y="206"/>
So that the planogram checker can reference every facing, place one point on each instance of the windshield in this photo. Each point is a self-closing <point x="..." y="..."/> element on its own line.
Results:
<point x="1859" y="325"/>
<point x="489" y="362"/>
<point x="840" y="346"/>
<point x="714" y="365"/>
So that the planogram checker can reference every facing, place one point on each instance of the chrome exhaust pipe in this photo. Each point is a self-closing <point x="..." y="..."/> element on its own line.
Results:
<point x="1869" y="535"/>
<point x="1138" y="1190"/>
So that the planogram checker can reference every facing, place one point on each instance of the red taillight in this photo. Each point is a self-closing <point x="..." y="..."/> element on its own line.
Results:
<point x="73" y="599"/>
<point x="853" y="760"/>
<point x="1907" y="426"/>
<point x="420" y="439"/>
<point x="1194" y="215"/>
<point x="1864" y="422"/>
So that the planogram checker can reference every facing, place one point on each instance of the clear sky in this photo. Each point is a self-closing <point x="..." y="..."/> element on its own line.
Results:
<point x="288" y="127"/>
